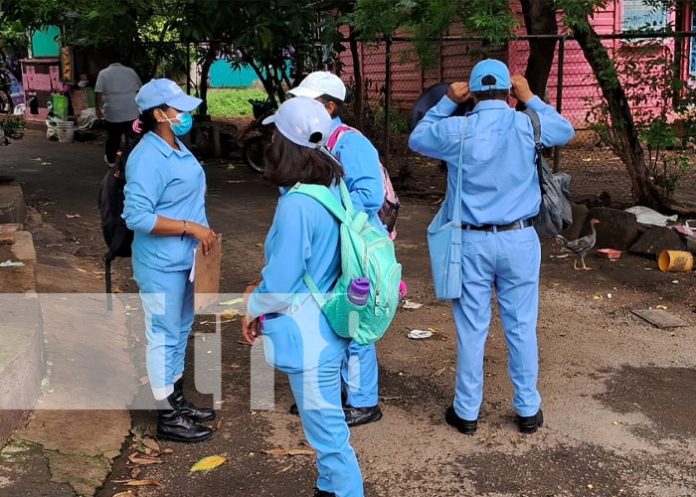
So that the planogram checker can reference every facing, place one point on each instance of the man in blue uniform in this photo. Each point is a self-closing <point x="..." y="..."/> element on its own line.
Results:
<point x="363" y="177"/>
<point x="500" y="248"/>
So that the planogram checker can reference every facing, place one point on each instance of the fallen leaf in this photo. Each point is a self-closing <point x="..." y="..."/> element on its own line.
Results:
<point x="81" y="270"/>
<point x="143" y="483"/>
<point x="124" y="494"/>
<point x="286" y="468"/>
<point x="151" y="444"/>
<point x="143" y="460"/>
<point x="218" y="424"/>
<point x="167" y="450"/>
<point x="135" y="472"/>
<point x="72" y="216"/>
<point x="144" y="380"/>
<point x="208" y="463"/>
<point x="288" y="452"/>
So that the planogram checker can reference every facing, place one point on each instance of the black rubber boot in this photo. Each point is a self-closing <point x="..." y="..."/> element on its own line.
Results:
<point x="173" y="424"/>
<point x="197" y="414"/>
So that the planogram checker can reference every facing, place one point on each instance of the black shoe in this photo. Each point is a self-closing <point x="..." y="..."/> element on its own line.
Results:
<point x="464" y="426"/>
<point x="197" y="414"/>
<point x="173" y="424"/>
<point x="530" y="424"/>
<point x="321" y="493"/>
<point x="356" y="416"/>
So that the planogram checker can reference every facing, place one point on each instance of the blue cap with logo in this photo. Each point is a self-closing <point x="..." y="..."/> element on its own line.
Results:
<point x="165" y="91"/>
<point x="497" y="71"/>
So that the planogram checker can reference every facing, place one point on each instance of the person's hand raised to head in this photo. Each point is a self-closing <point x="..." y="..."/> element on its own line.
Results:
<point x="459" y="92"/>
<point x="520" y="89"/>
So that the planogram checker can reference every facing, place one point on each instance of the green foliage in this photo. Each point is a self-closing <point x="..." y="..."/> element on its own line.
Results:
<point x="233" y="102"/>
<point x="12" y="126"/>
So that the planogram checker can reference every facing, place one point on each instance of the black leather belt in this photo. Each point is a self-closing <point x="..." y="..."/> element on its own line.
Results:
<point x="517" y="225"/>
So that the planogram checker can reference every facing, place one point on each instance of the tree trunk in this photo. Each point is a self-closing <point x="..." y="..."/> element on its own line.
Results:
<point x="624" y="142"/>
<point x="358" y="93"/>
<point x="540" y="19"/>
<point x="208" y="59"/>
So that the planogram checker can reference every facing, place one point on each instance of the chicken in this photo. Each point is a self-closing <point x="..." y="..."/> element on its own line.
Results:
<point x="579" y="247"/>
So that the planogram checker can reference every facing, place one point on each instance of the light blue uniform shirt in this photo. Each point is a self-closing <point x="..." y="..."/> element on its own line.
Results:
<point x="162" y="181"/>
<point x="304" y="238"/>
<point x="500" y="184"/>
<point x="363" y="173"/>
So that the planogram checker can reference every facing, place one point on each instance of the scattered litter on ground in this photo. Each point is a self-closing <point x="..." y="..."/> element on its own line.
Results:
<point x="288" y="452"/>
<point x="661" y="306"/>
<point x="660" y="318"/>
<point x="645" y="215"/>
<point x="73" y="216"/>
<point x="10" y="263"/>
<point x="610" y="254"/>
<point x="124" y="494"/>
<point x="419" y="334"/>
<point x="409" y="304"/>
<point x="231" y="167"/>
<point x="208" y="463"/>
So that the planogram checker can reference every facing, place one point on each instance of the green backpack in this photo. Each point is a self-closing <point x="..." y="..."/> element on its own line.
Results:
<point x="365" y="253"/>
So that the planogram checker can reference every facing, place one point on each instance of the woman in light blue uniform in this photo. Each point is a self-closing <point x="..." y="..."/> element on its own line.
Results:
<point x="165" y="207"/>
<point x="298" y="340"/>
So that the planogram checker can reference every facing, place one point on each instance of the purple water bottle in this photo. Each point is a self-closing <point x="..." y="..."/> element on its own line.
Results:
<point x="359" y="291"/>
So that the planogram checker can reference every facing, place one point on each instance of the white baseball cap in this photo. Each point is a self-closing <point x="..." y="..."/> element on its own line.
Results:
<point x="320" y="83"/>
<point x="304" y="121"/>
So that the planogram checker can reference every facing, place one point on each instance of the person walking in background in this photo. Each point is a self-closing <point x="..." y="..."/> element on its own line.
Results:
<point x="115" y="92"/>
<point x="363" y="177"/>
<point x="303" y="242"/>
<point x="500" y="196"/>
<point x="165" y="207"/>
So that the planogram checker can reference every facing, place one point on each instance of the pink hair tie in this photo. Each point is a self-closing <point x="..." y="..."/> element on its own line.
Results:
<point x="137" y="127"/>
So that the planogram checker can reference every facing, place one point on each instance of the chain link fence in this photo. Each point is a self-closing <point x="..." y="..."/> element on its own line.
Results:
<point x="393" y="77"/>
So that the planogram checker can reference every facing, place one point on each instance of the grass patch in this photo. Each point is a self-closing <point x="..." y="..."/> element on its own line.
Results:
<point x="232" y="102"/>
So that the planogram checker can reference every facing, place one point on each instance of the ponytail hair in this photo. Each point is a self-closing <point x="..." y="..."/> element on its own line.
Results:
<point x="147" y="119"/>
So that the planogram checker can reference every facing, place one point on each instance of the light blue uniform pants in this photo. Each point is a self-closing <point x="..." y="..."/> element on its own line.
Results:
<point x="318" y="396"/>
<point x="361" y="375"/>
<point x="167" y="299"/>
<point x="508" y="261"/>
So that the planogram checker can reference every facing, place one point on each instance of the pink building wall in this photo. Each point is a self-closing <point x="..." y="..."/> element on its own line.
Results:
<point x="455" y="59"/>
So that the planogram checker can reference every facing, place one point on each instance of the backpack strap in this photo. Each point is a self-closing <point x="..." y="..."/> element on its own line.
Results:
<point x="327" y="199"/>
<point x="336" y="135"/>
<point x="538" y="145"/>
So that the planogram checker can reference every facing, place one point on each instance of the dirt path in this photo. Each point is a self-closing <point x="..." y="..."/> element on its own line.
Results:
<point x="618" y="393"/>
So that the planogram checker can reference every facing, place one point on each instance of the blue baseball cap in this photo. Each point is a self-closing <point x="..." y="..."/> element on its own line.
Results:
<point x="165" y="91"/>
<point x="303" y="121"/>
<point x="493" y="68"/>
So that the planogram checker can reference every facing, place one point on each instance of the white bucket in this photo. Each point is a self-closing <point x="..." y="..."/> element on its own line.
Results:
<point x="66" y="131"/>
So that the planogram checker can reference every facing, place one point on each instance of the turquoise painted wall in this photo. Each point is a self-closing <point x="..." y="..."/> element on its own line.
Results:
<point x="44" y="44"/>
<point x="222" y="75"/>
